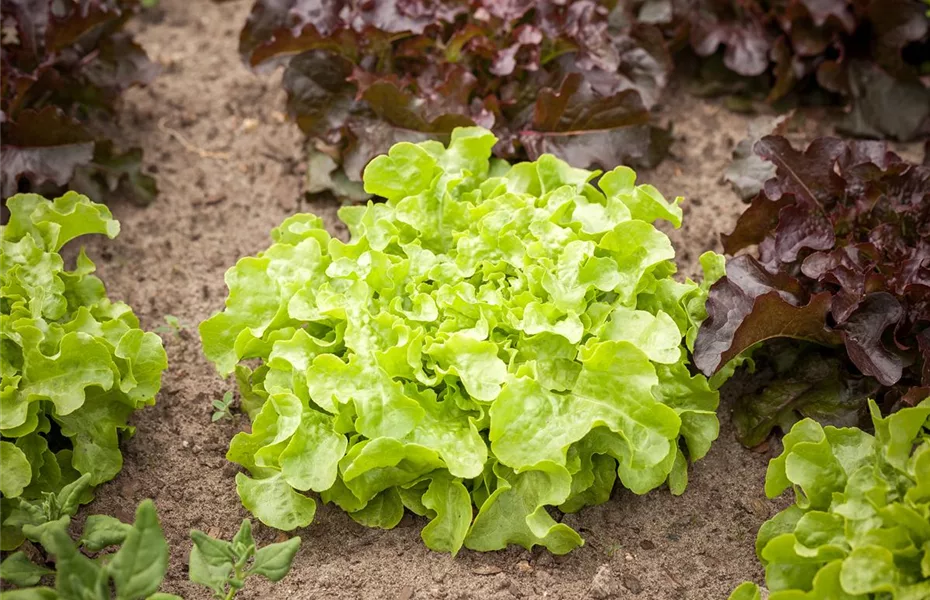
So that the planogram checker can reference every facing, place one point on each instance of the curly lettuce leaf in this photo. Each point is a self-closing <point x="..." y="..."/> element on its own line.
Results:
<point x="838" y="261"/>
<point x="493" y="341"/>
<point x="75" y="365"/>
<point x="860" y="525"/>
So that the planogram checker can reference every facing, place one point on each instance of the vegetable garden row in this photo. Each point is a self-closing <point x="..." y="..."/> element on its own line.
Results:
<point x="504" y="338"/>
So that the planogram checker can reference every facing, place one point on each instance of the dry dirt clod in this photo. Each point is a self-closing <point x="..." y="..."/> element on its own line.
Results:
<point x="523" y="567"/>
<point x="406" y="593"/>
<point x="129" y="489"/>
<point x="602" y="585"/>
<point x="486" y="570"/>
<point x="631" y="583"/>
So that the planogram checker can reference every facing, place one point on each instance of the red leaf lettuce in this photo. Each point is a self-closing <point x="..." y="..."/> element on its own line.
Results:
<point x="573" y="79"/>
<point x="872" y="53"/>
<point x="841" y="260"/>
<point x="62" y="61"/>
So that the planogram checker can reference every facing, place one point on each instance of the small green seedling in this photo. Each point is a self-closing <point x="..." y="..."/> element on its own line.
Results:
<point x="135" y="570"/>
<point x="172" y="325"/>
<point x="48" y="508"/>
<point x="137" y="567"/>
<point x="222" y="408"/>
<point x="224" y="566"/>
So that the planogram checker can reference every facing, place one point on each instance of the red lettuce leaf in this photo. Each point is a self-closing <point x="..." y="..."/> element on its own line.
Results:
<point x="43" y="147"/>
<point x="869" y="53"/>
<point x="61" y="62"/>
<point x="751" y="305"/>
<point x="842" y="260"/>
<point x="576" y="79"/>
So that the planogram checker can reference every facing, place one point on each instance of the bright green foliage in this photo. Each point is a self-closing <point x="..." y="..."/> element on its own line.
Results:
<point x="493" y="341"/>
<point x="136" y="570"/>
<point x="860" y="527"/>
<point x="47" y="508"/>
<point x="74" y="366"/>
<point x="224" y="566"/>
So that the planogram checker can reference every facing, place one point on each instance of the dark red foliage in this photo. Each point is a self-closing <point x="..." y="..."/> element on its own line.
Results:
<point x="842" y="259"/>
<point x="871" y="52"/>
<point x="575" y="79"/>
<point x="61" y="61"/>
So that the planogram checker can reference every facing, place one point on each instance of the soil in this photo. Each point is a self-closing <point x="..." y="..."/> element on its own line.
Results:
<point x="230" y="167"/>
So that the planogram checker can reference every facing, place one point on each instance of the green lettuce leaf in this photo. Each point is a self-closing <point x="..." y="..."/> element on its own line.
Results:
<point x="489" y="344"/>
<point x="860" y="525"/>
<point x="74" y="366"/>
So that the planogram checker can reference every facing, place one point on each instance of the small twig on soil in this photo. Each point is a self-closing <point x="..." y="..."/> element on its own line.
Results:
<point x="189" y="146"/>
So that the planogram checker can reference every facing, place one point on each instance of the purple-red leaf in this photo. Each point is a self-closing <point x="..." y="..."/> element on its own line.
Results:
<point x="863" y="332"/>
<point x="43" y="147"/>
<point x="60" y="62"/>
<point x="576" y="79"/>
<point x="843" y="260"/>
<point x="871" y="53"/>
<point x="750" y="305"/>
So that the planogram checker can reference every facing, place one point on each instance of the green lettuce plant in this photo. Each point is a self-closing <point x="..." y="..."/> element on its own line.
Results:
<point x="860" y="526"/>
<point x="493" y="341"/>
<point x="74" y="365"/>
<point x="136" y="568"/>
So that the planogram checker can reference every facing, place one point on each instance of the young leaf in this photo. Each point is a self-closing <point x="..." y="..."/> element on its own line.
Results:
<point x="243" y="538"/>
<point x="76" y="575"/>
<point x="101" y="531"/>
<point x="215" y="552"/>
<point x="20" y="571"/>
<point x="140" y="564"/>
<point x="274" y="561"/>
<point x="73" y="495"/>
<point x="212" y="574"/>
<point x="38" y="533"/>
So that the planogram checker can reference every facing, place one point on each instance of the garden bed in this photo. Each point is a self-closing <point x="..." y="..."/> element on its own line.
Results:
<point x="229" y="168"/>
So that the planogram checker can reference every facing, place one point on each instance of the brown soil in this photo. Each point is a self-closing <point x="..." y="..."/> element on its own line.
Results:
<point x="230" y="167"/>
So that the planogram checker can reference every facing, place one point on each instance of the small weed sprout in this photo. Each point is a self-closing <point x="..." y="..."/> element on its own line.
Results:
<point x="172" y="325"/>
<point x="222" y="408"/>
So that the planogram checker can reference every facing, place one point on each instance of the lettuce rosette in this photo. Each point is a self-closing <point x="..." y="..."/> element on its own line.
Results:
<point x="74" y="365"/>
<point x="493" y="342"/>
<point x="860" y="526"/>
